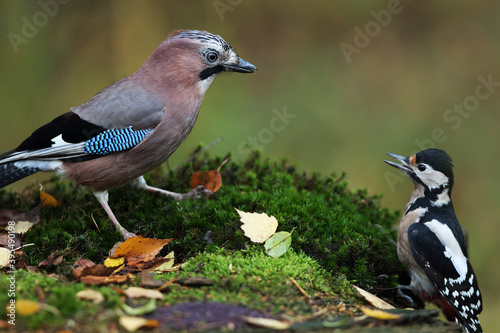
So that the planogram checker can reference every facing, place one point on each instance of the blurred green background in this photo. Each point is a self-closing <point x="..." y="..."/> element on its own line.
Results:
<point x="360" y="78"/>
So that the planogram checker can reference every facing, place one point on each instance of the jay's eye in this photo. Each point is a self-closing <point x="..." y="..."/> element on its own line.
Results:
<point x="211" y="56"/>
<point x="421" y="167"/>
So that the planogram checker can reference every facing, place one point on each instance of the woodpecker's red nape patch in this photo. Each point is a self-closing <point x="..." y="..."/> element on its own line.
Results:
<point x="413" y="160"/>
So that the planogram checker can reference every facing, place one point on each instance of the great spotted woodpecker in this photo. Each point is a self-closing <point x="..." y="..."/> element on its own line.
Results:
<point x="431" y="243"/>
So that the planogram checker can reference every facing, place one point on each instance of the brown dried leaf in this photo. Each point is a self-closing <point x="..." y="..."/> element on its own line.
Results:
<point x="211" y="180"/>
<point x="103" y="280"/>
<point x="80" y="265"/>
<point x="97" y="270"/>
<point x="138" y="249"/>
<point x="53" y="260"/>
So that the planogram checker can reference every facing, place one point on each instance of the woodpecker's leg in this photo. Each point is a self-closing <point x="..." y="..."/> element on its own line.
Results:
<point x="102" y="197"/>
<point x="195" y="193"/>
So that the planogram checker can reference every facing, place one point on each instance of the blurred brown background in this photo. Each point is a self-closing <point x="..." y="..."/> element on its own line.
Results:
<point x="357" y="79"/>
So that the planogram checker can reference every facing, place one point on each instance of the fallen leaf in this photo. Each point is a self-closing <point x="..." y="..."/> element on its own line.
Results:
<point x="278" y="244"/>
<point x="4" y="257"/>
<point x="10" y="240"/>
<point x="138" y="249"/>
<point x="373" y="300"/>
<point x="211" y="180"/>
<point x="132" y="324"/>
<point x="103" y="280"/>
<point x="48" y="200"/>
<point x="137" y="292"/>
<point x="268" y="323"/>
<point x="8" y="215"/>
<point x="114" y="262"/>
<point x="379" y="314"/>
<point x="53" y="260"/>
<point x="18" y="222"/>
<point x="167" y="264"/>
<point x="80" y="265"/>
<point x="90" y="295"/>
<point x="258" y="227"/>
<point x="27" y="307"/>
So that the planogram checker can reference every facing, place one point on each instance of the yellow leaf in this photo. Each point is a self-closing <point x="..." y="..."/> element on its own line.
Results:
<point x="258" y="227"/>
<point x="167" y="264"/>
<point x="27" y="307"/>
<point x="48" y="200"/>
<point x="378" y="314"/>
<point x="114" y="262"/>
<point x="22" y="227"/>
<point x="132" y="324"/>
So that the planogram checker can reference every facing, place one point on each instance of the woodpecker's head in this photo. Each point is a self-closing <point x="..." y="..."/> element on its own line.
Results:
<point x="192" y="57"/>
<point x="431" y="168"/>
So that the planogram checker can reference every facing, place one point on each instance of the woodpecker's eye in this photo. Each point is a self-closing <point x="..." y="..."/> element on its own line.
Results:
<point x="421" y="167"/>
<point x="212" y="56"/>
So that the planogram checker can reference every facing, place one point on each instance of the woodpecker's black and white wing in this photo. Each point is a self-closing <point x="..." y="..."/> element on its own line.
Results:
<point x="440" y="253"/>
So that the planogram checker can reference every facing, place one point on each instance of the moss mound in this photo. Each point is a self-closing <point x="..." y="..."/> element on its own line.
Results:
<point x="347" y="232"/>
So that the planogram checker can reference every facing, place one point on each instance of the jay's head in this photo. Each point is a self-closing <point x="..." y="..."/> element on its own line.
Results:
<point x="192" y="57"/>
<point x="430" y="168"/>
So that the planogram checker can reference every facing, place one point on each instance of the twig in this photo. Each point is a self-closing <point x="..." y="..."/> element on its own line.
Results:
<point x="303" y="292"/>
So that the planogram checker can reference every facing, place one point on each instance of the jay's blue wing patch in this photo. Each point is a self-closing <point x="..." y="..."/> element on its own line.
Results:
<point x="115" y="140"/>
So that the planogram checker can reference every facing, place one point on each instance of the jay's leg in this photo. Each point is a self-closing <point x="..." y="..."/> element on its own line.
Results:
<point x="195" y="193"/>
<point x="102" y="197"/>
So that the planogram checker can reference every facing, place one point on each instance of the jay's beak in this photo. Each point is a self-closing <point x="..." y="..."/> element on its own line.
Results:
<point x="405" y="165"/>
<point x="242" y="66"/>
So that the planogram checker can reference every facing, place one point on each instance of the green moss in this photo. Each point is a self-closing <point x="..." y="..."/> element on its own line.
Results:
<point x="60" y="294"/>
<point x="347" y="232"/>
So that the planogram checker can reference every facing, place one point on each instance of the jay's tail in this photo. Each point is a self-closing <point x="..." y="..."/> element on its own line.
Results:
<point x="14" y="171"/>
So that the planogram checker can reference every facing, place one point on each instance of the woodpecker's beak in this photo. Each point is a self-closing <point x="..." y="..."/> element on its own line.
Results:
<point x="405" y="165"/>
<point x="242" y="66"/>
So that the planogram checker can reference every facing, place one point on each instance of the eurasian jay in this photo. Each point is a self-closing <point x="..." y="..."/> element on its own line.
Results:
<point x="131" y="126"/>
